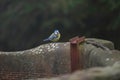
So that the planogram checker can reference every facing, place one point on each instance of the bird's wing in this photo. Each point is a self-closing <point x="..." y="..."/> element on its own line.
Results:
<point x="52" y="36"/>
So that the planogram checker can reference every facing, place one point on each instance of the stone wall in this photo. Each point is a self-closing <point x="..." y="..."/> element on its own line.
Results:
<point x="53" y="59"/>
<point x="43" y="61"/>
<point x="97" y="73"/>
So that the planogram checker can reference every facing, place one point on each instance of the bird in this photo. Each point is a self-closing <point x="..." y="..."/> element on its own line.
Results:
<point x="55" y="36"/>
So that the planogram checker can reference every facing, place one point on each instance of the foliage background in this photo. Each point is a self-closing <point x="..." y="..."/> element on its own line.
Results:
<point x="25" y="23"/>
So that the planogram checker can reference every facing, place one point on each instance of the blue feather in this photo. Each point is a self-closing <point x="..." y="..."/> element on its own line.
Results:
<point x="46" y="39"/>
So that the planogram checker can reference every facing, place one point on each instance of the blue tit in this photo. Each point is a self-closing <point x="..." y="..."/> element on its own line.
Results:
<point x="54" y="36"/>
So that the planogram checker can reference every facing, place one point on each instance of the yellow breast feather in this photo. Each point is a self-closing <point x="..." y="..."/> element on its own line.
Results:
<point x="57" y="38"/>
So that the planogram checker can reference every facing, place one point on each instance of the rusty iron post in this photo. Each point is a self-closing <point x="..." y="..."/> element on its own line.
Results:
<point x="76" y="56"/>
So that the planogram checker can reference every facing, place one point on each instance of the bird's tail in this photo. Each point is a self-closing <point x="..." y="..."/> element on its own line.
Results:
<point x="46" y="40"/>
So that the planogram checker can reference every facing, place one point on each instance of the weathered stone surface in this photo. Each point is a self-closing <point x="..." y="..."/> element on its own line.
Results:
<point x="98" y="73"/>
<point x="96" y="56"/>
<point x="46" y="60"/>
<point x="106" y="43"/>
<point x="53" y="59"/>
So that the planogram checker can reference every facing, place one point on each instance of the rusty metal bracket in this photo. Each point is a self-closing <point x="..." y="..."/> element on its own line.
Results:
<point x="75" y="53"/>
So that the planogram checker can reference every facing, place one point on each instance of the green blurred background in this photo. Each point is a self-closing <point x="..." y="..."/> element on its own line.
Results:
<point x="25" y="23"/>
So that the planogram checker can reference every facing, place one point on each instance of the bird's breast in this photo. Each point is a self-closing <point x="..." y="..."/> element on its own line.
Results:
<point x="57" y="38"/>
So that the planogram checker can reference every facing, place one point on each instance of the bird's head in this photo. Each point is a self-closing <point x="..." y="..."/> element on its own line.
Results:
<point x="56" y="31"/>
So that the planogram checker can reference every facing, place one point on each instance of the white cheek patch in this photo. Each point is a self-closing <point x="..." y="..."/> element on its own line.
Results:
<point x="56" y="33"/>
